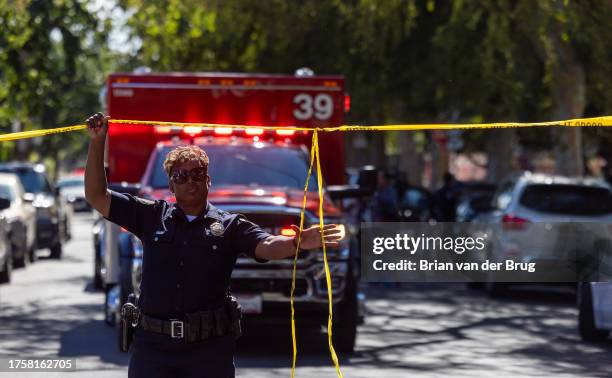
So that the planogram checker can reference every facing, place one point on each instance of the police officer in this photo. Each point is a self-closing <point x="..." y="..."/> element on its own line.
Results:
<point x="190" y="249"/>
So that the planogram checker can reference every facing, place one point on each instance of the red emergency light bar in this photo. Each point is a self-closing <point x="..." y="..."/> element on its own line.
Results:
<point x="285" y="132"/>
<point x="223" y="131"/>
<point x="254" y="132"/>
<point x="195" y="131"/>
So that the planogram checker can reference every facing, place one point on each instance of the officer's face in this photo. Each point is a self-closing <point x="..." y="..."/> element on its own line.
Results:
<point x="190" y="183"/>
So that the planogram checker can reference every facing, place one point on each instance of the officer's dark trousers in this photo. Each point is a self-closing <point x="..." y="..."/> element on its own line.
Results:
<point x="153" y="356"/>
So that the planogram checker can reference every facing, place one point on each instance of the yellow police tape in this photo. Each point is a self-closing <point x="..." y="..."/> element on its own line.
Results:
<point x="605" y="121"/>
<point x="295" y="257"/>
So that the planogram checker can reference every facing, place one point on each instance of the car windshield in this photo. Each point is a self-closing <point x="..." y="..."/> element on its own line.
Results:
<point x="248" y="165"/>
<point x="567" y="199"/>
<point x="6" y="192"/>
<point x="33" y="182"/>
<point x="67" y="183"/>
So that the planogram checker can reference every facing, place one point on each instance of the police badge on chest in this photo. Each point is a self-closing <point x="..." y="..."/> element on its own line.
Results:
<point x="215" y="229"/>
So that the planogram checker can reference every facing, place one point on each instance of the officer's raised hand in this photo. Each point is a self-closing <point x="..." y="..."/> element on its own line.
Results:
<point x="96" y="191"/>
<point x="97" y="126"/>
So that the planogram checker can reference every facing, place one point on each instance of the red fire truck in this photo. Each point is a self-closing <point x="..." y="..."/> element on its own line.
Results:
<point x="259" y="173"/>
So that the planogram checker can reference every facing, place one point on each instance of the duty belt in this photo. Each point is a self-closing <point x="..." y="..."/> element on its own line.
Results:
<point x="197" y="326"/>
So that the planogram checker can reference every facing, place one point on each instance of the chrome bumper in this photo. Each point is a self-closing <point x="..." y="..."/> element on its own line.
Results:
<point x="313" y="276"/>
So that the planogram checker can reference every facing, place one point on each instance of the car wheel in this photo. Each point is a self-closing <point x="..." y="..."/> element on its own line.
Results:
<point x="56" y="251"/>
<point x="21" y="261"/>
<point x="32" y="255"/>
<point x="67" y="233"/>
<point x="5" y="275"/>
<point x="586" y="317"/>
<point x="346" y="319"/>
<point x="97" y="276"/>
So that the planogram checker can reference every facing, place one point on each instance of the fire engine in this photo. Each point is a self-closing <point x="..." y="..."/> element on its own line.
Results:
<point x="256" y="172"/>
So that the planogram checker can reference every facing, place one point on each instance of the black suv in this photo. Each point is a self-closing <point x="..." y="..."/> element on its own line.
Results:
<point x="52" y="218"/>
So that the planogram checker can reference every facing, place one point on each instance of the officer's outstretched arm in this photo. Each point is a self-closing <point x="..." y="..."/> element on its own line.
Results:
<point x="96" y="191"/>
<point x="280" y="247"/>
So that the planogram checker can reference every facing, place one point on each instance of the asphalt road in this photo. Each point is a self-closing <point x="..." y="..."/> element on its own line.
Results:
<point x="428" y="330"/>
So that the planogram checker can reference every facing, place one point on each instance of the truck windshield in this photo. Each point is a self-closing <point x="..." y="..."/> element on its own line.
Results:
<point x="248" y="165"/>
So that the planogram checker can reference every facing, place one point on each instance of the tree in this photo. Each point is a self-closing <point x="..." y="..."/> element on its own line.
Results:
<point x="407" y="60"/>
<point x="50" y="72"/>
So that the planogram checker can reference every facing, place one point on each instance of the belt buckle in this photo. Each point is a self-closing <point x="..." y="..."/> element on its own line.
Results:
<point x="176" y="329"/>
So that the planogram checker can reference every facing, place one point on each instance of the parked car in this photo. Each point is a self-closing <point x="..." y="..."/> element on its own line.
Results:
<point x="52" y="214"/>
<point x="594" y="310"/>
<point x="72" y="190"/>
<point x="525" y="201"/>
<point x="20" y="219"/>
<point x="474" y="198"/>
<point x="5" y="249"/>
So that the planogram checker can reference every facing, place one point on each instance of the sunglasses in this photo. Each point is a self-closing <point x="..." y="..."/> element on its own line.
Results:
<point x="196" y="174"/>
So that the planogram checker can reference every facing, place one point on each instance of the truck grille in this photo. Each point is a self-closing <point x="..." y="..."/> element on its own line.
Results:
<point x="272" y="285"/>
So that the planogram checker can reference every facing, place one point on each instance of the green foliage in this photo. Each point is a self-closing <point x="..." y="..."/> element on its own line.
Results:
<point x="404" y="60"/>
<point x="50" y="70"/>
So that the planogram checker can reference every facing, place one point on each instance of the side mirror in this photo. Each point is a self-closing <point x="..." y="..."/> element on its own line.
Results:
<point x="367" y="184"/>
<point x="338" y="192"/>
<point x="28" y="197"/>
<point x="368" y="178"/>
<point x="5" y="203"/>
<point x="56" y="191"/>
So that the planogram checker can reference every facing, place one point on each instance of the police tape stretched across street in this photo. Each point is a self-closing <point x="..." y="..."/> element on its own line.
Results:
<point x="185" y="286"/>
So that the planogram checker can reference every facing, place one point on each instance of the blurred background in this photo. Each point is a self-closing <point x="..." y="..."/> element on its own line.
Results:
<point x="404" y="62"/>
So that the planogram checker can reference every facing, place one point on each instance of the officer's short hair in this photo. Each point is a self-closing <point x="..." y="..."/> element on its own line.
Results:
<point x="183" y="154"/>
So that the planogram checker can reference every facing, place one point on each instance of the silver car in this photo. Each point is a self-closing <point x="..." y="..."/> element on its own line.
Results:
<point x="72" y="190"/>
<point x="20" y="218"/>
<point x="537" y="217"/>
<point x="595" y="310"/>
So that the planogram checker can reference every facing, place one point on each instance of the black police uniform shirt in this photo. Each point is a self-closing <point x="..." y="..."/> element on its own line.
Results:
<point x="186" y="265"/>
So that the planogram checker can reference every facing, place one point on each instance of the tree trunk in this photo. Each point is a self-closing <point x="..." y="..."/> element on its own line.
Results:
<point x="499" y="153"/>
<point x="569" y="98"/>
<point x="410" y="162"/>
<point x="21" y="145"/>
<point x="568" y="91"/>
<point x="569" y="101"/>
<point x="377" y="149"/>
